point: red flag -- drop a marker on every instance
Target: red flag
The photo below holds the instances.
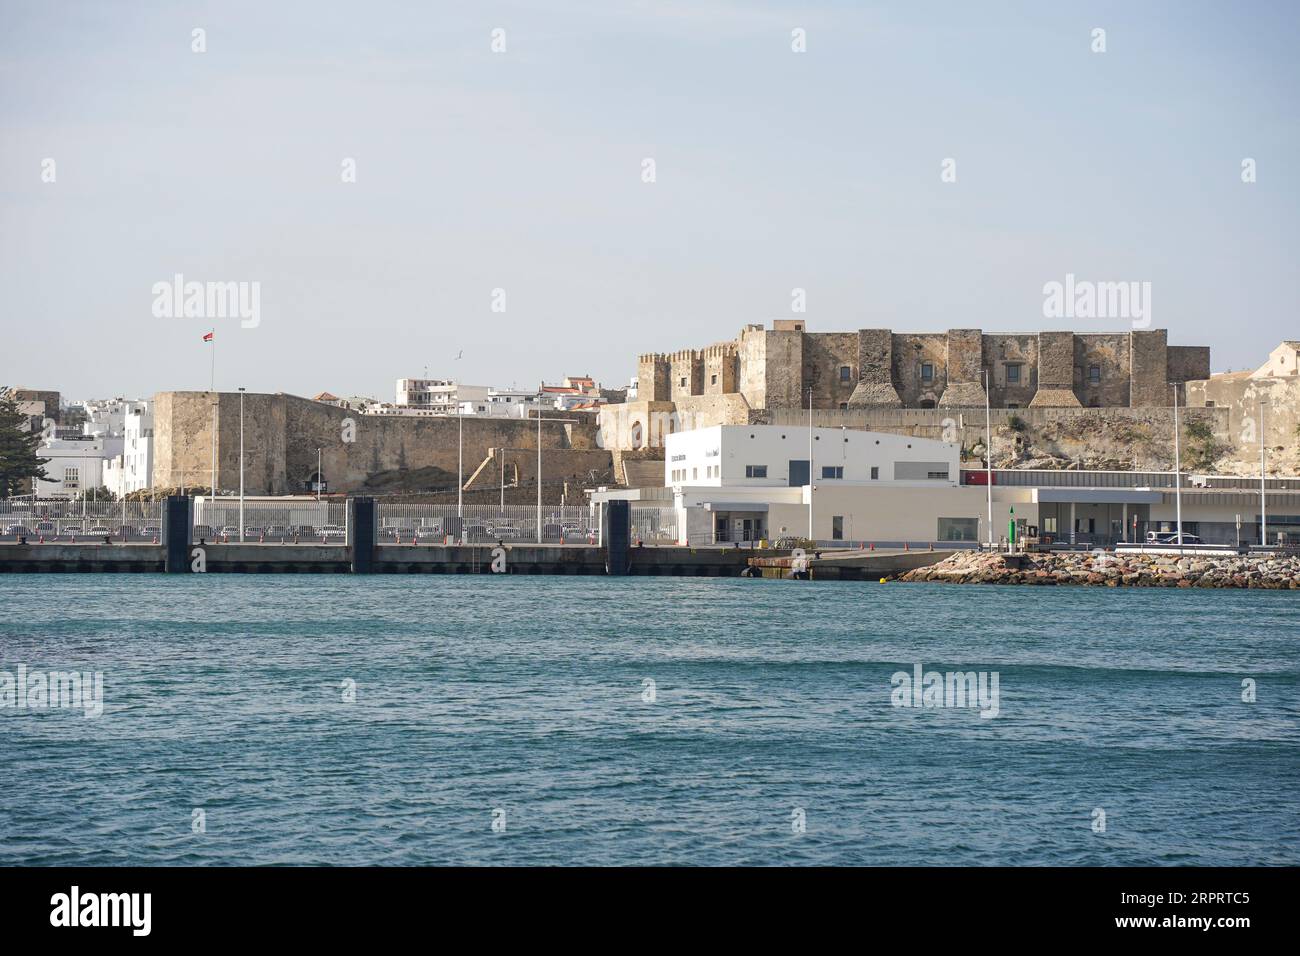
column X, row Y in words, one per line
column 208, row 337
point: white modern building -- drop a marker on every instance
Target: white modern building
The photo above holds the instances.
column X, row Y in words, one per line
column 132, row 470
column 752, row 482
column 749, row 483
column 439, row 396
column 502, row 403
column 75, row 466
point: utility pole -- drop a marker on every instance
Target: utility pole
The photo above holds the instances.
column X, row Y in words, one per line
column 319, row 479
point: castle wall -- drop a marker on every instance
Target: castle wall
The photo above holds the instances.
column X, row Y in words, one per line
column 1110, row 352
column 1004, row 352
column 825, row 354
column 283, row 432
column 912, row 351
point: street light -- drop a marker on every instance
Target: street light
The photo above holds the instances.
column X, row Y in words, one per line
column 539, row 471
column 460, row 466
column 811, row 539
column 1178, row 474
column 241, row 464
column 1263, row 501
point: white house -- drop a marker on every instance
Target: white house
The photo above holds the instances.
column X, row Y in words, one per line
column 132, row 470
column 440, row 396
column 75, row 466
column 501, row 403
column 1283, row 361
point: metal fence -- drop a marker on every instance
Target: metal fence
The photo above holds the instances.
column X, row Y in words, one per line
column 59, row 519
column 1051, row 478
column 654, row 525
column 438, row 524
column 325, row 522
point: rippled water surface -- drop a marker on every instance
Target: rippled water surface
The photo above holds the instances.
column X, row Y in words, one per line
column 521, row 699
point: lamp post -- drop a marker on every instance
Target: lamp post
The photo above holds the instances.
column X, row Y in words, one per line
column 810, row 469
column 319, row 477
column 460, row 465
column 539, row 471
column 1178, row 474
column 988, row 454
column 241, row 464
column 1263, row 460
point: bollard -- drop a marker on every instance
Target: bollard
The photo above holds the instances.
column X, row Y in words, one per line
column 155, row 539
column 873, row 546
column 931, row 545
column 261, row 538
column 42, row 541
column 905, row 547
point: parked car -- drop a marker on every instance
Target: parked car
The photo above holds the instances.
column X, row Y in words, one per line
column 15, row 530
column 231, row 532
column 200, row 531
column 100, row 530
column 333, row 531
column 276, row 531
column 1165, row 537
column 474, row 529
column 503, row 531
column 301, row 531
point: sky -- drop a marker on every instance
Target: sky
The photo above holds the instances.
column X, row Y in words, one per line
column 524, row 170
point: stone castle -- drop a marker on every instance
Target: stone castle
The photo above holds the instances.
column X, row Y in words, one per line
column 878, row 368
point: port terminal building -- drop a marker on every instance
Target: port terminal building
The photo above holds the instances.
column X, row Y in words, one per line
column 744, row 484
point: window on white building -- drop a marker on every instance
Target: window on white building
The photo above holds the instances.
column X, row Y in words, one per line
column 875, row 473
column 71, row 478
column 832, row 471
column 756, row 471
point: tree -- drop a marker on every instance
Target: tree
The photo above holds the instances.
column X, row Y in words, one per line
column 18, row 458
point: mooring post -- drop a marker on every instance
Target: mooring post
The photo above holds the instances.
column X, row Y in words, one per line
column 178, row 527
column 618, row 536
column 361, row 534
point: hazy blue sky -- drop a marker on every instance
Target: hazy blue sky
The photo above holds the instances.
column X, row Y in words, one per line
column 522, row 170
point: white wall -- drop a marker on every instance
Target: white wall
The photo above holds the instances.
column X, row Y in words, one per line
column 721, row 456
column 87, row 457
